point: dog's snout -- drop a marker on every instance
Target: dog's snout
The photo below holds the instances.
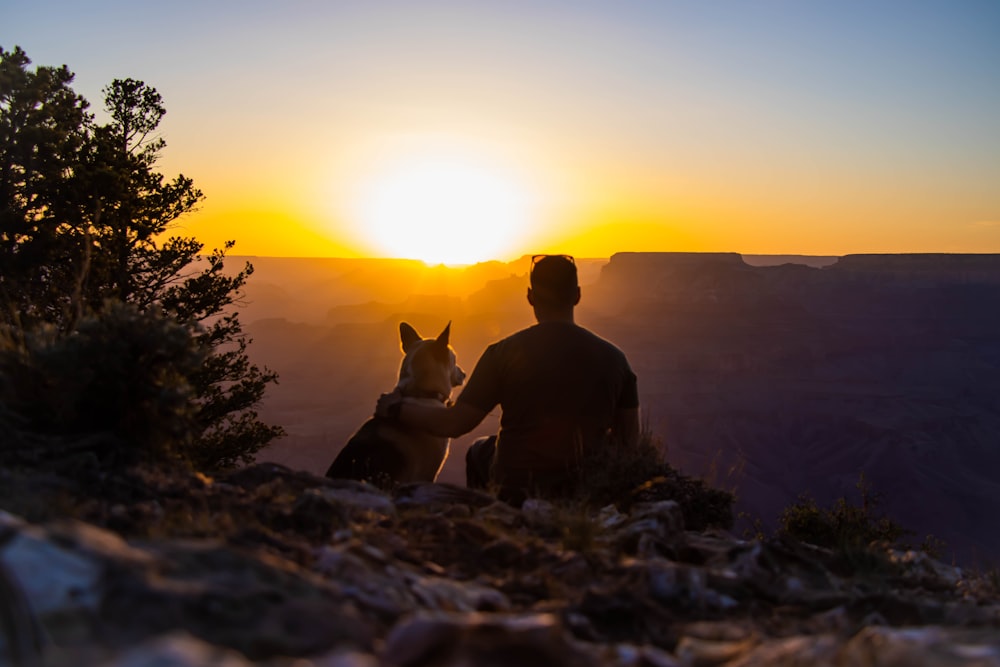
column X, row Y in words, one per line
column 457, row 377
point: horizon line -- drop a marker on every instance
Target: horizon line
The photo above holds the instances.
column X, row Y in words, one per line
column 608, row 257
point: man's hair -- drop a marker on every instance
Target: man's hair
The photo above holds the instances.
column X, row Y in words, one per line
column 553, row 280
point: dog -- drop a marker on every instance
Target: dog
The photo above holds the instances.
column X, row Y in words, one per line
column 384, row 452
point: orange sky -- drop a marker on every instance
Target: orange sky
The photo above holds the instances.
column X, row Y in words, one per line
column 447, row 132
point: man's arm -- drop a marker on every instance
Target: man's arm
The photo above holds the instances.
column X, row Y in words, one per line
column 626, row 426
column 446, row 422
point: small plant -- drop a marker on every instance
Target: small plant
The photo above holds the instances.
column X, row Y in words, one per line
column 933, row 546
column 609, row 474
column 626, row 476
column 843, row 526
column 755, row 530
column 992, row 578
column 579, row 530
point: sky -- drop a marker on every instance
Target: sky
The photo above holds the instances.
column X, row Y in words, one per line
column 465, row 131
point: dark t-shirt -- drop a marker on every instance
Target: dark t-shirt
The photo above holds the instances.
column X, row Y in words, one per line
column 558, row 386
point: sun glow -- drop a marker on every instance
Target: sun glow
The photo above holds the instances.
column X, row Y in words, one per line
column 445, row 208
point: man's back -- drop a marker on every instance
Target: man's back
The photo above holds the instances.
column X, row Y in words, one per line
column 559, row 387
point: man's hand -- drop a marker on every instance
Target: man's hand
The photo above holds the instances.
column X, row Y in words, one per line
column 385, row 401
column 439, row 420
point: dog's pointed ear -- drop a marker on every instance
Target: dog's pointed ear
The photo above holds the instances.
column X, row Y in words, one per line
column 440, row 346
column 408, row 336
column 443, row 337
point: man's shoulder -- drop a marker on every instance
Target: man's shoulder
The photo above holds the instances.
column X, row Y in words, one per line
column 611, row 353
column 520, row 336
column 599, row 341
column 564, row 333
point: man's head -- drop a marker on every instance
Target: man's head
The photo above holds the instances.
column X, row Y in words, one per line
column 554, row 285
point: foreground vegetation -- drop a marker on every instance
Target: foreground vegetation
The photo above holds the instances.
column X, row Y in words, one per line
column 116, row 338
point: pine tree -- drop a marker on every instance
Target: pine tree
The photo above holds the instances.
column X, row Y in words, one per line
column 85, row 223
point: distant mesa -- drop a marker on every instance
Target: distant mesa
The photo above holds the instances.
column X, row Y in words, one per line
column 676, row 259
column 936, row 267
column 815, row 261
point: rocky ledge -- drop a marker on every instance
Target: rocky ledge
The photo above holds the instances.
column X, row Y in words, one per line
column 275, row 567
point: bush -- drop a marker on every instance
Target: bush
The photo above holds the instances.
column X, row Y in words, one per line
column 116, row 387
column 624, row 477
column 842, row 526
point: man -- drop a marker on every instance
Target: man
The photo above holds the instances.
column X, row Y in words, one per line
column 562, row 390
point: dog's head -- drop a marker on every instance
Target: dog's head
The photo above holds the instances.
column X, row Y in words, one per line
column 429, row 367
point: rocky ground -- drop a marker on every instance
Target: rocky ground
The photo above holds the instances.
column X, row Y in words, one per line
column 274, row 567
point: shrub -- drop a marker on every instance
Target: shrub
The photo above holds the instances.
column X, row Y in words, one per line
column 843, row 525
column 624, row 477
column 116, row 386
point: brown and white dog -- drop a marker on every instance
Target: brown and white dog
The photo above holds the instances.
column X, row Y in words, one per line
column 383, row 451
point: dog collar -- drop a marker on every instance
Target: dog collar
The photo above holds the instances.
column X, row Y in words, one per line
column 427, row 393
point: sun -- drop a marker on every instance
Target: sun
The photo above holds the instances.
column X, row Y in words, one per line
column 444, row 208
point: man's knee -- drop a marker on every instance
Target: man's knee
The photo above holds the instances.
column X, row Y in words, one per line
column 479, row 462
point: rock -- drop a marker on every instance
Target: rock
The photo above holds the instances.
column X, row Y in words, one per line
column 628, row 655
column 708, row 652
column 56, row 577
column 651, row 528
column 926, row 570
column 805, row 651
column 919, row 646
column 679, row 586
column 178, row 650
column 316, row 515
column 341, row 575
column 609, row 517
column 359, row 496
column 382, row 592
column 258, row 474
column 484, row 640
column 780, row 571
column 23, row 640
column 440, row 493
column 83, row 582
column 438, row 593
column 343, row 659
column 616, row 614
column 538, row 511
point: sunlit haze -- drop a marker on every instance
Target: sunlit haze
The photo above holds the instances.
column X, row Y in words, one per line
column 455, row 132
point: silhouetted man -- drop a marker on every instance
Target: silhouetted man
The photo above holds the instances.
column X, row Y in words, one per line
column 562, row 390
